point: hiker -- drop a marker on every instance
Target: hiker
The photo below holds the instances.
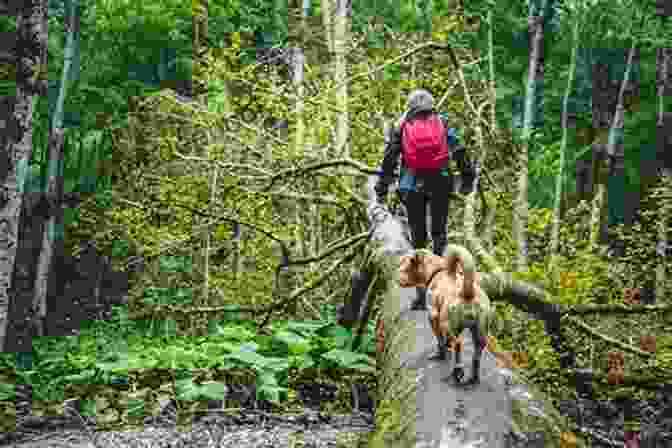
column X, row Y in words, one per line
column 426, row 145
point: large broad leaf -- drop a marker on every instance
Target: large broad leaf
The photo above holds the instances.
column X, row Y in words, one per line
column 341, row 335
column 175, row 264
column 119, row 366
column 186, row 389
column 213, row 390
column 276, row 364
column 351, row 360
column 296, row 344
column 302, row 362
column 248, row 356
column 6, row 391
column 234, row 332
column 269, row 389
column 306, row 328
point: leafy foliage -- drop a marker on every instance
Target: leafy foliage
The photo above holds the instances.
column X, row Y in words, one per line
column 146, row 192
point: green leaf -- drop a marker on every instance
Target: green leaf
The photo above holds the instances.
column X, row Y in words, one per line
column 186, row 389
column 247, row 357
column 505, row 92
column 274, row 394
column 213, row 390
column 351, row 360
column 234, row 332
column 296, row 344
column 136, row 407
column 7, row 391
column 306, row 328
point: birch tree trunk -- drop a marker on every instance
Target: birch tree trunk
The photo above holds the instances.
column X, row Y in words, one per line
column 559, row 181
column 315, row 236
column 489, row 218
column 208, row 233
column 297, row 78
column 614, row 150
column 470, row 200
column 299, row 139
column 200, row 25
column 31, row 51
column 603, row 103
column 664, row 81
column 199, row 42
column 534, row 77
column 53, row 229
column 328, row 8
column 535, row 74
column 491, row 58
column 341, row 38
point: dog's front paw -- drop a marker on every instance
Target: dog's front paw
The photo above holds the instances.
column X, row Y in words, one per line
column 473, row 380
column 458, row 374
column 438, row 356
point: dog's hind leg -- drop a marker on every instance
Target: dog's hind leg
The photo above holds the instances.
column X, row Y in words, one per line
column 440, row 354
column 420, row 302
column 475, row 331
column 458, row 370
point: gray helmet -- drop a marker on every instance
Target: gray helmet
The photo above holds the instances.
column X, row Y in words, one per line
column 420, row 100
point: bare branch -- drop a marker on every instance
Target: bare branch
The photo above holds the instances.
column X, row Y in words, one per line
column 622, row 345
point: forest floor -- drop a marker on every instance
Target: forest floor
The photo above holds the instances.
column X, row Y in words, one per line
column 249, row 429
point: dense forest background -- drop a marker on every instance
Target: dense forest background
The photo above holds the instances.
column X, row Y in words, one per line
column 225, row 145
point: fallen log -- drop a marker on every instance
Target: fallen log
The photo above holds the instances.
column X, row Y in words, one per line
column 408, row 402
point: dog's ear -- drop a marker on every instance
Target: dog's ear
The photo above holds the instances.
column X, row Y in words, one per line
column 408, row 267
column 410, row 260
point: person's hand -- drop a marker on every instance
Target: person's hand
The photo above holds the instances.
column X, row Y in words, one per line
column 381, row 193
column 467, row 183
column 468, row 176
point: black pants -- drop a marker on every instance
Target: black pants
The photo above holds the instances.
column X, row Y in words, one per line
column 435, row 190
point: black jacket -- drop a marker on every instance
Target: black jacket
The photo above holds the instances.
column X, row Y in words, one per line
column 393, row 151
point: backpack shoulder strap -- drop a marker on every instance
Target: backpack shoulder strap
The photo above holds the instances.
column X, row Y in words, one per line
column 401, row 122
column 444, row 119
column 402, row 119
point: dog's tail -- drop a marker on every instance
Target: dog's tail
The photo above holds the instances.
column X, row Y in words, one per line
column 454, row 253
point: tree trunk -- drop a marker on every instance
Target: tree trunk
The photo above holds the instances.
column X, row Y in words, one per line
column 328, row 8
column 664, row 81
column 560, row 178
column 207, row 242
column 55, row 179
column 299, row 141
column 341, row 38
column 534, row 78
column 534, row 82
column 200, row 26
column 491, row 64
column 31, row 45
column 469, row 220
column 614, row 153
column 584, row 136
column 297, row 78
column 605, row 93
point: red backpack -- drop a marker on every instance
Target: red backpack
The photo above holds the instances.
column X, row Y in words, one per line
column 424, row 143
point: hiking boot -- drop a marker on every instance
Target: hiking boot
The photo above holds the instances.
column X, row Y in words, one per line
column 420, row 303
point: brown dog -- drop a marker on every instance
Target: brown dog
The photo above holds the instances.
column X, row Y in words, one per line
column 457, row 301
